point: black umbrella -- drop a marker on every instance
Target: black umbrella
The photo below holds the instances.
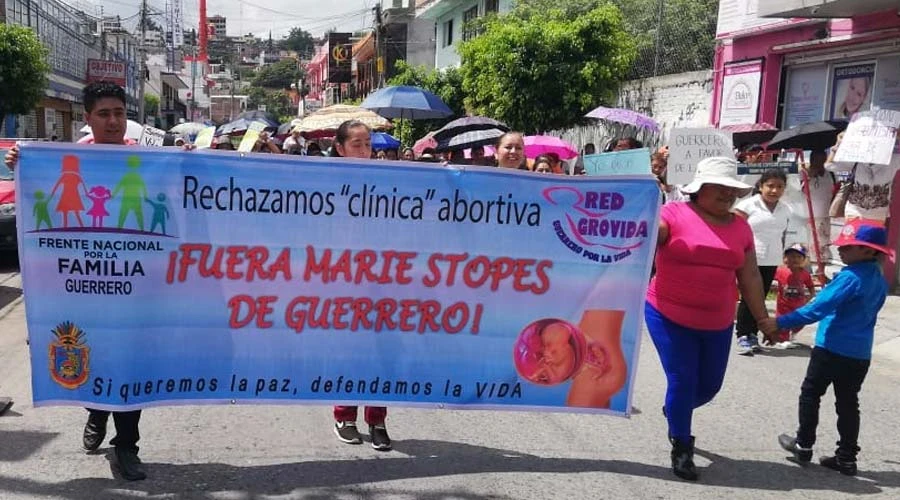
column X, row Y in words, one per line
column 817, row 136
column 468, row 124
column 471, row 139
column 746, row 135
column 241, row 125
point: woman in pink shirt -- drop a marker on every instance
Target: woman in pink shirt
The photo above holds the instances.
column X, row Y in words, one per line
column 703, row 249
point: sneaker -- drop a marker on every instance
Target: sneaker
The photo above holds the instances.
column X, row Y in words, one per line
column 789, row 443
column 380, row 439
column 789, row 344
column 745, row 348
column 845, row 467
column 754, row 343
column 347, row 432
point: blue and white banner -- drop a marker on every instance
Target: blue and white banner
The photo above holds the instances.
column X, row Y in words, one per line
column 158, row 277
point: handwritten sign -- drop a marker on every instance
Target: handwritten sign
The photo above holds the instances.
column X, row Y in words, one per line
column 205, row 138
column 870, row 138
column 628, row 162
column 152, row 136
column 687, row 146
column 788, row 167
column 251, row 136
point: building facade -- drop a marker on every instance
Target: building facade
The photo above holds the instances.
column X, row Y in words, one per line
column 784, row 64
column 73, row 38
column 451, row 23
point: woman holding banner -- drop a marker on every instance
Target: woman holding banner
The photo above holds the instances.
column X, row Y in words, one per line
column 354, row 140
column 702, row 249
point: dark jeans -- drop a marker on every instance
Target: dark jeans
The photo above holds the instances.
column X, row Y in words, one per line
column 127, row 434
column 746, row 325
column 847, row 375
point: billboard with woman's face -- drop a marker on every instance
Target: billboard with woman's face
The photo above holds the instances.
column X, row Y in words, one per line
column 851, row 90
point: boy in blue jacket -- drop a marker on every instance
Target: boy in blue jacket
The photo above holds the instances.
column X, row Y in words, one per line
column 846, row 310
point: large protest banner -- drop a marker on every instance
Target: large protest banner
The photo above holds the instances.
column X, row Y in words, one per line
column 168, row 277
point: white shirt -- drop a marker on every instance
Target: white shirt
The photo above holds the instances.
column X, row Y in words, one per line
column 821, row 191
column 870, row 197
column 768, row 227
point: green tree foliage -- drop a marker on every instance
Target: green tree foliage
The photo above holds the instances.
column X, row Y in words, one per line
column 444, row 83
column 298, row 40
column 686, row 30
column 542, row 70
column 279, row 75
column 23, row 70
column 276, row 102
column 151, row 104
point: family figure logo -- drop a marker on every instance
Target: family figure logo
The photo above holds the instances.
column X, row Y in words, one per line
column 71, row 190
column 590, row 227
column 69, row 356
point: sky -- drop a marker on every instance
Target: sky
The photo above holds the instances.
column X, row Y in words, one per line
column 259, row 16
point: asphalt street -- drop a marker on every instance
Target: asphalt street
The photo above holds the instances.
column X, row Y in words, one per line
column 255, row 452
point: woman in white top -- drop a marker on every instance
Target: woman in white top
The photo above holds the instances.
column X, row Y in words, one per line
column 769, row 218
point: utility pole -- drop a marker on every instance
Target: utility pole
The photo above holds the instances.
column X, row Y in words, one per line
column 379, row 52
column 143, row 64
column 193, row 74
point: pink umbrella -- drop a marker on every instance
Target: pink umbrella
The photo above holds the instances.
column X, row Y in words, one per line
column 537, row 145
column 425, row 142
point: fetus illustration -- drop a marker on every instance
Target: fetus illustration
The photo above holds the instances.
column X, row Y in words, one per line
column 552, row 351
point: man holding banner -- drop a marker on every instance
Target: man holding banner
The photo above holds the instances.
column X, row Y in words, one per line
column 104, row 111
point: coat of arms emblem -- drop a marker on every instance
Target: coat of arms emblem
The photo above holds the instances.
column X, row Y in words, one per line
column 69, row 356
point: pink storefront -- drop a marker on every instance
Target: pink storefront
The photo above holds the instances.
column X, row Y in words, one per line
column 783, row 62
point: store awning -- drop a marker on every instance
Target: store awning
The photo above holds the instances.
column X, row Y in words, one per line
column 172, row 80
column 823, row 8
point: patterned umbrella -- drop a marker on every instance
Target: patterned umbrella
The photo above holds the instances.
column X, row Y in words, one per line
column 425, row 142
column 624, row 116
column 470, row 139
column 325, row 122
column 468, row 124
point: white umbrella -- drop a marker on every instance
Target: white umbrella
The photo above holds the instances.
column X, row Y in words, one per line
column 133, row 131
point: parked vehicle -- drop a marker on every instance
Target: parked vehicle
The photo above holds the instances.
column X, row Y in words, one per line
column 7, row 201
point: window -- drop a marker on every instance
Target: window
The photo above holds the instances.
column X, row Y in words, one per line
column 491, row 6
column 448, row 33
column 469, row 17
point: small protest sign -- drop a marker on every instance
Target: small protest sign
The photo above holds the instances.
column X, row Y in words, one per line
column 687, row 146
column 152, row 136
column 870, row 138
column 251, row 136
column 628, row 162
column 205, row 138
column 788, row 167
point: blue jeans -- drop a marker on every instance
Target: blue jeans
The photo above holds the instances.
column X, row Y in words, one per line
column 694, row 362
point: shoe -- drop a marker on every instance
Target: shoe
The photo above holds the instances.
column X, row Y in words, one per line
column 94, row 431
column 380, row 439
column 745, row 348
column 683, row 459
column 789, row 345
column 347, row 432
column 129, row 465
column 789, row 444
column 845, row 467
column 5, row 404
column 754, row 343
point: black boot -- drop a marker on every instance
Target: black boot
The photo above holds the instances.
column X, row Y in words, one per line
column 843, row 461
column 683, row 459
column 94, row 431
column 129, row 464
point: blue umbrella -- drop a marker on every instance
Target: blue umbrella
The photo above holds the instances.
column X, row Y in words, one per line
column 405, row 102
column 382, row 141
